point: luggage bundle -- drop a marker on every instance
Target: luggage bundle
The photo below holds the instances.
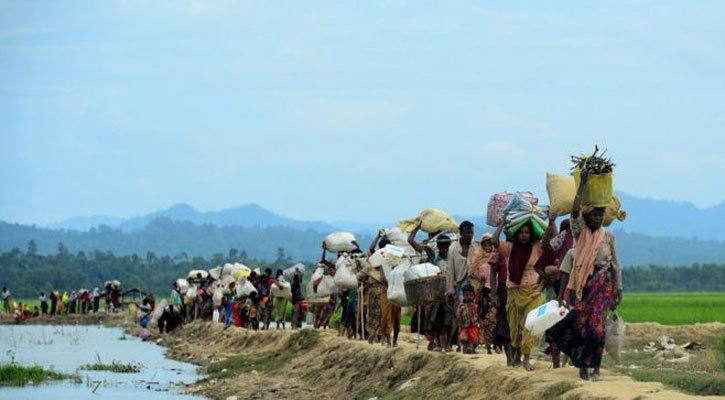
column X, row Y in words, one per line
column 431, row 220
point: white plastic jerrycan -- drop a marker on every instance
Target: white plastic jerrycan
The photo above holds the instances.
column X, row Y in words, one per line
column 545, row 316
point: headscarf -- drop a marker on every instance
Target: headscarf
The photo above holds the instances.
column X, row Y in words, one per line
column 587, row 248
column 480, row 257
column 568, row 241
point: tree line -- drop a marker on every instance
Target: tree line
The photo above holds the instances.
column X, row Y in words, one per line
column 164, row 236
column 28, row 271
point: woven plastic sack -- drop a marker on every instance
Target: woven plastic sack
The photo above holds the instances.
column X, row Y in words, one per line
column 396, row 285
column 599, row 190
column 194, row 272
column 244, row 287
column 396, row 236
column 289, row 273
column 614, row 212
column 614, row 336
column 340, row 242
column 285, row 291
column 327, row 286
column 561, row 190
column 344, row 273
column 499, row 201
column 241, row 271
column 218, row 295
column 431, row 220
column 183, row 285
column 423, row 270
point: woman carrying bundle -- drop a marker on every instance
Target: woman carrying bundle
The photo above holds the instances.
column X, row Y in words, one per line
column 389, row 313
column 556, row 246
column 484, row 278
column 524, row 293
column 594, row 277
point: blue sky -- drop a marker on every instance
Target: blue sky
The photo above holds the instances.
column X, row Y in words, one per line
column 335, row 111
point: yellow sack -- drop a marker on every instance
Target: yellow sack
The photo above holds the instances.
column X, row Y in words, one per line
column 433, row 220
column 614, row 211
column 561, row 190
column 599, row 190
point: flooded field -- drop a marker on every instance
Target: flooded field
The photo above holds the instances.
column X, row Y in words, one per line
column 66, row 348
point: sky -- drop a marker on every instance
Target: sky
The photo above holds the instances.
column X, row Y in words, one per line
column 338, row 111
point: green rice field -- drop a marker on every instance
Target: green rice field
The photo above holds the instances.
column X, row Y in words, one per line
column 673, row 308
column 668, row 308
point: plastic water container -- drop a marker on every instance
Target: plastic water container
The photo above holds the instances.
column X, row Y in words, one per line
column 377, row 258
column 545, row 316
column 394, row 251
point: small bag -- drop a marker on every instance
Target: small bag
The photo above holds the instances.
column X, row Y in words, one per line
column 614, row 336
column 344, row 276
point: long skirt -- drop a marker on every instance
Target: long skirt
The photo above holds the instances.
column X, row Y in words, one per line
column 521, row 300
column 349, row 314
column 280, row 308
column 501, row 333
column 488, row 325
column 376, row 295
column 580, row 335
column 390, row 320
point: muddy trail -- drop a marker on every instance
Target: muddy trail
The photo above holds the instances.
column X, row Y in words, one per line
column 320, row 365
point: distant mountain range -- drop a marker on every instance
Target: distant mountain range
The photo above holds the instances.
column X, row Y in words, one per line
column 645, row 216
column 250, row 215
column 655, row 232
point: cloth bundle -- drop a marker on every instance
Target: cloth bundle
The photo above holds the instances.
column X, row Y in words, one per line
column 520, row 211
column 498, row 202
column 340, row 242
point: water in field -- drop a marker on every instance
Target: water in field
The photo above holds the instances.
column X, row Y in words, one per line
column 65, row 348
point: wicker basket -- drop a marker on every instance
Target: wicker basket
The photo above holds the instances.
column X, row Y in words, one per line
column 428, row 290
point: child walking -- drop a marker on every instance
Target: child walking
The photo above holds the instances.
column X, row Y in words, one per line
column 467, row 316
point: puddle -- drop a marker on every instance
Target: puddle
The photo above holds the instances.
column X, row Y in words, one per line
column 65, row 348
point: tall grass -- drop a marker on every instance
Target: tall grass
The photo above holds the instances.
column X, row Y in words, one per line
column 13, row 374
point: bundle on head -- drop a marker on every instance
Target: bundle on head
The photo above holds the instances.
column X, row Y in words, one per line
column 595, row 164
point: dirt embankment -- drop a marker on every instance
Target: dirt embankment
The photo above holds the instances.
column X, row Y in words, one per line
column 320, row 365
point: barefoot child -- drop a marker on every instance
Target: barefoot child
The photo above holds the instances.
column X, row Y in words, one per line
column 467, row 316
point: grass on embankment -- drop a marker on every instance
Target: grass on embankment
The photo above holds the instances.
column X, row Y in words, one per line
column 18, row 375
column 298, row 342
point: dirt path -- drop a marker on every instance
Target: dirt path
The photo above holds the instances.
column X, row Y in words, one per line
column 320, row 365
column 330, row 367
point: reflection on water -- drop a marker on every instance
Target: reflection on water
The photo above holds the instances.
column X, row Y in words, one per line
column 65, row 348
